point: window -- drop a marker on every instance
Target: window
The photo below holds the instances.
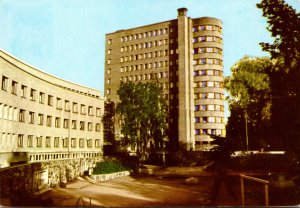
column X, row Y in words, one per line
column 203, row 107
column 211, row 107
column 40, row 119
column 108, row 91
column 39, row 141
column 91, row 111
column 4, row 83
column 50, row 100
column 210, row 61
column 210, row 95
column 56, row 141
column 109, row 51
column 75, row 108
column 67, row 105
column 32, row 94
column 42, row 97
column 81, row 143
column 203, row 84
column 57, row 122
column 65, row 142
column 109, row 41
column 209, row 38
column 210, row 84
column 73, row 142
column 210, row 72
column 204, row 131
column 23, row 91
column 197, row 131
column 49, row 121
column 20, row 140
column 74, row 124
column 108, row 71
column 97, row 143
column 14, row 87
column 81, row 125
column 58, row 103
column 97, row 127
column 90, row 126
column 98, row 112
column 209, row 27
column 197, row 119
column 31, row 117
column 202, row 61
column 211, row 119
column 89, row 143
column 82, row 109
column 108, row 61
column 22, row 115
column 201, row 27
column 202, row 39
column 48, row 141
column 66, row 123
column 29, row 140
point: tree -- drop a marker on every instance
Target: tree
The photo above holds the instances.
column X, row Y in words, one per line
column 284, row 25
column 143, row 112
column 249, row 88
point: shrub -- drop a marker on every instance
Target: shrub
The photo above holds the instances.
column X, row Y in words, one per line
column 108, row 167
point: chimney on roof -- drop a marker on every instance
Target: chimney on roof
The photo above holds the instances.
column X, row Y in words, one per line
column 182, row 11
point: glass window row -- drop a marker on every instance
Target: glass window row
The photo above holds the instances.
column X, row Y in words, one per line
column 144, row 45
column 207, row 28
column 49, row 142
column 207, row 50
column 209, row 131
column 149, row 55
column 140, row 77
column 151, row 65
column 209, row 107
column 145, row 35
column 42, row 98
column 208, row 72
column 209, row 95
column 209, row 119
column 203, row 61
column 216, row 84
column 207, row 39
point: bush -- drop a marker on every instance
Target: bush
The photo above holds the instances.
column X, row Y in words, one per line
column 108, row 167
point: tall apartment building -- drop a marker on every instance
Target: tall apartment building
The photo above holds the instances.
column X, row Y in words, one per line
column 185, row 56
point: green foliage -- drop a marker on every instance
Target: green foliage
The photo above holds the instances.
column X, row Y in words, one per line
column 249, row 88
column 284, row 25
column 108, row 167
column 143, row 112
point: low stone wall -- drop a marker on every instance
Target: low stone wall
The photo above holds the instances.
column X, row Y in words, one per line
column 32, row 178
column 106, row 177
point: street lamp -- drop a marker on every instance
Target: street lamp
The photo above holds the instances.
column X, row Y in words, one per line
column 246, row 124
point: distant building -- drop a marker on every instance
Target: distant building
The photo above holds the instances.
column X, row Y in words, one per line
column 44, row 118
column 185, row 56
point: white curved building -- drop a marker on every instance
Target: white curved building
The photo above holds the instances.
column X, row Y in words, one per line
column 45, row 118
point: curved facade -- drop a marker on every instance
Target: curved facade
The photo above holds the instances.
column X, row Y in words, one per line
column 44, row 118
column 208, row 79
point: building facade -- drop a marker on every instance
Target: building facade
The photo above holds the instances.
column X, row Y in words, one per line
column 185, row 56
column 44, row 118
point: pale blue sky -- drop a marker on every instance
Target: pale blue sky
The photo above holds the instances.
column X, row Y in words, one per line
column 66, row 38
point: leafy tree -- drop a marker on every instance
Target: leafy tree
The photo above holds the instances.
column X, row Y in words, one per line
column 143, row 112
column 284, row 25
column 249, row 88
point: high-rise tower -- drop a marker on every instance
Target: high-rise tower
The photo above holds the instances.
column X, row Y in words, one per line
column 185, row 56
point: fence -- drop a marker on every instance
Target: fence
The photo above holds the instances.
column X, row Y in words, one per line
column 258, row 180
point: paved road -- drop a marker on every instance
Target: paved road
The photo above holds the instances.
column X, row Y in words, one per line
column 138, row 191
